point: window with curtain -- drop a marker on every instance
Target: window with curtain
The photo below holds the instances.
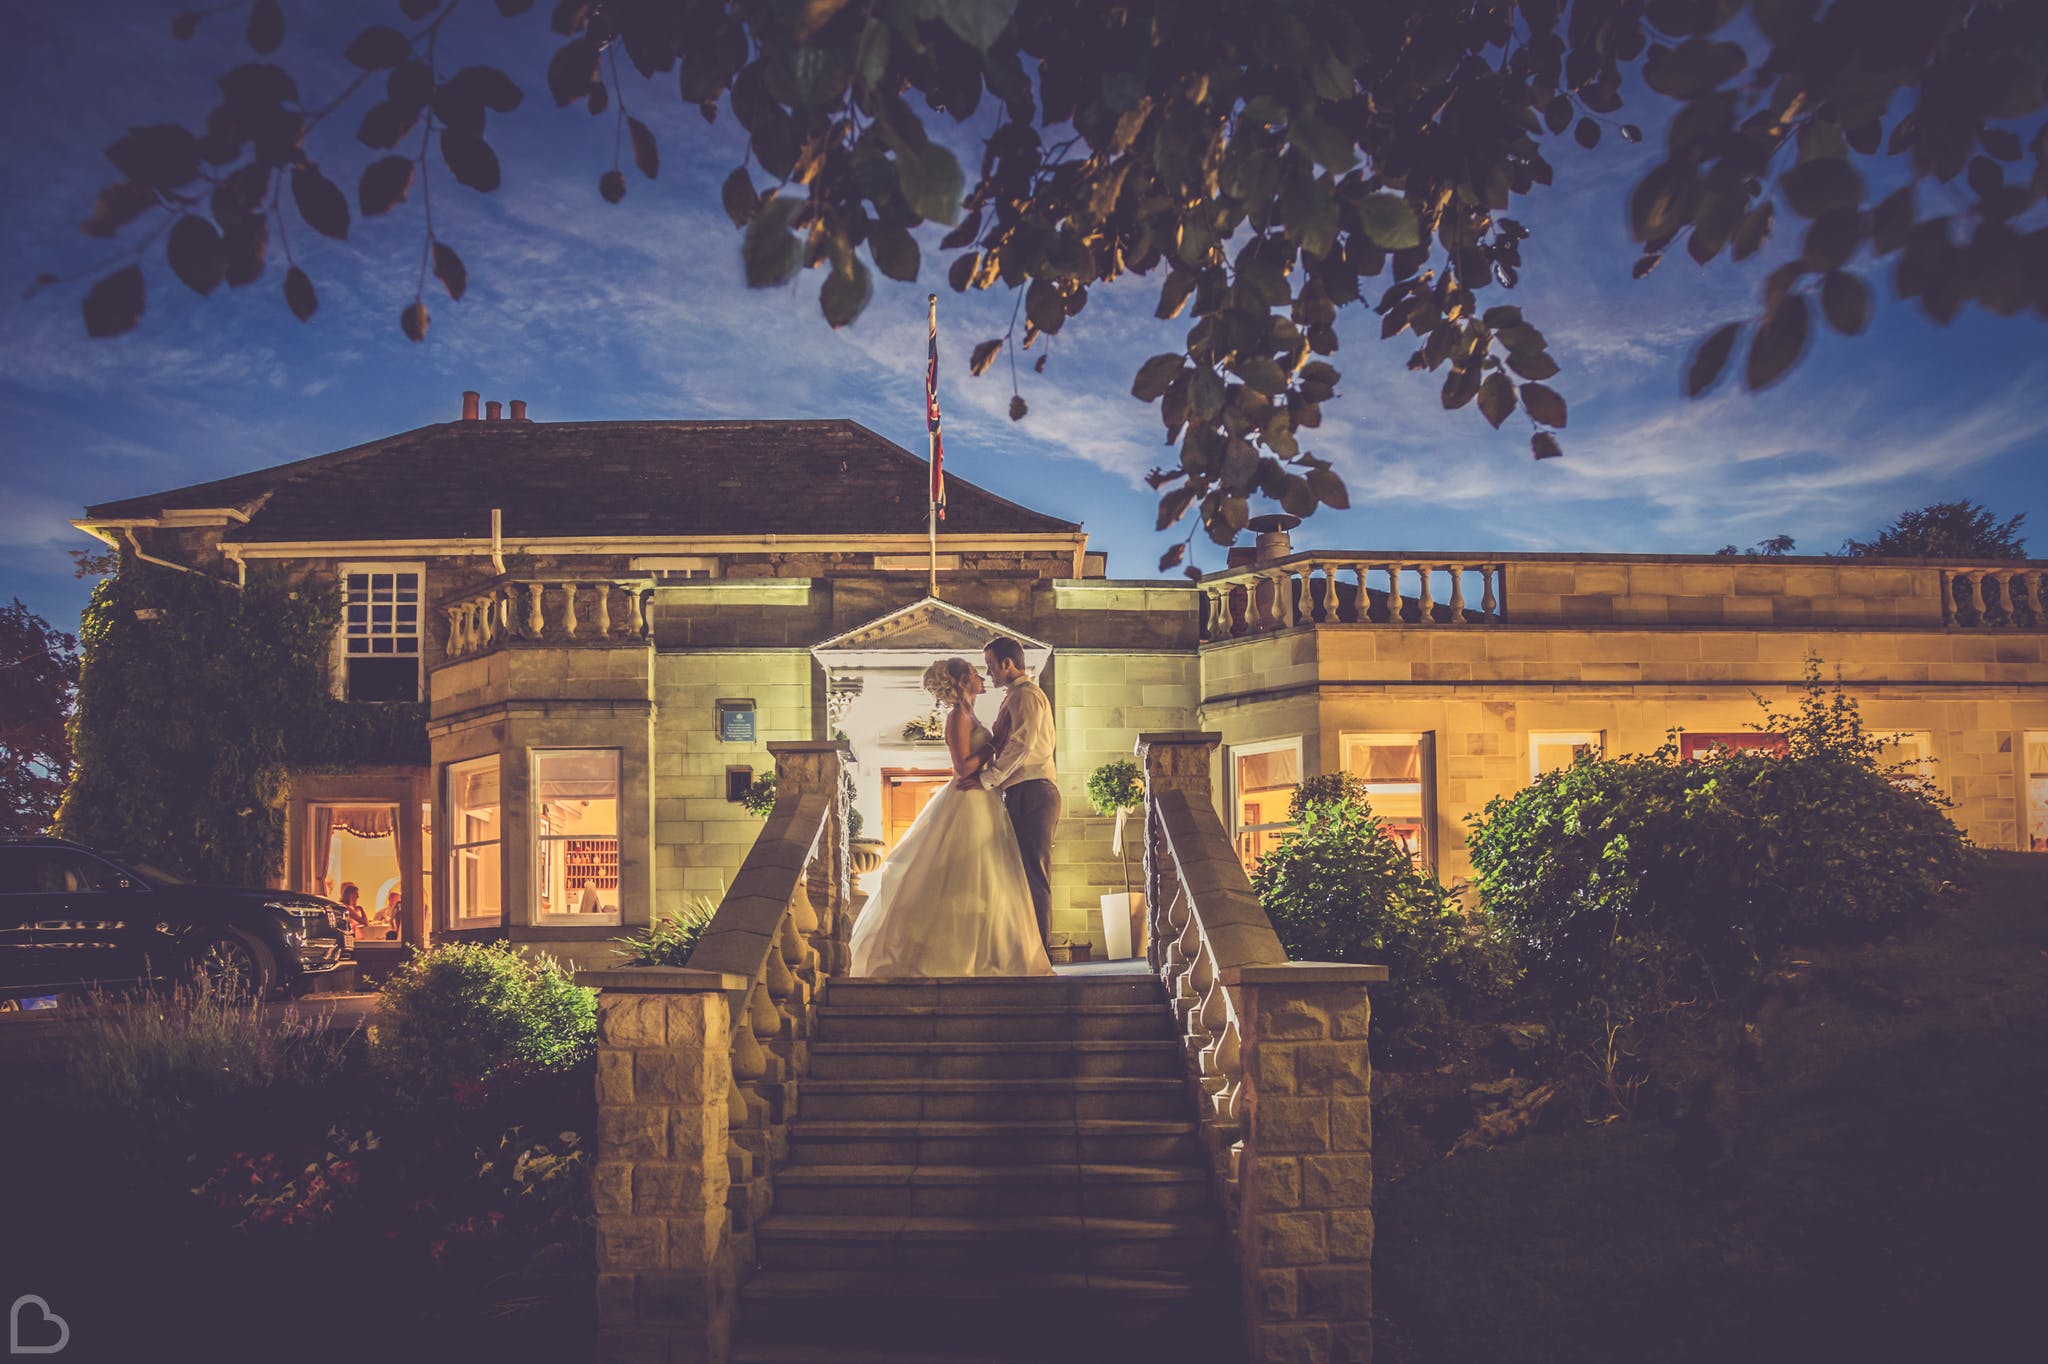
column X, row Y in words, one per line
column 576, row 834
column 1400, row 784
column 476, row 832
column 1263, row 780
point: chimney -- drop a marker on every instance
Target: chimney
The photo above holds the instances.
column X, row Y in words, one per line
column 519, row 409
column 493, row 410
column 469, row 402
column 1273, row 542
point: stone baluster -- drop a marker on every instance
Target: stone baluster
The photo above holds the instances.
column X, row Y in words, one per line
column 1991, row 586
column 1361, row 602
column 1458, row 594
column 1173, row 760
column 604, row 609
column 569, row 609
column 1395, row 614
column 1288, row 614
column 1427, row 615
column 636, row 622
column 1488, row 603
column 454, row 645
column 536, row 622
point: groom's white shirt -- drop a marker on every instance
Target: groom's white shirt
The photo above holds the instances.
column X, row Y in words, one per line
column 1027, row 756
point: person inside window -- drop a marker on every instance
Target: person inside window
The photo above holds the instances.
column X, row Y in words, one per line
column 352, row 901
column 388, row 920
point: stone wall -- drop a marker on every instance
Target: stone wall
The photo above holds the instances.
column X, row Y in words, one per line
column 1652, row 590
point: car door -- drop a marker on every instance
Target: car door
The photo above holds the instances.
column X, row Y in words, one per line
column 96, row 933
column 22, row 902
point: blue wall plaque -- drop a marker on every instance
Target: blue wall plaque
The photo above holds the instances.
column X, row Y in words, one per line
column 736, row 722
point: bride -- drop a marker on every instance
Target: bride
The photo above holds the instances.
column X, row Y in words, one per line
column 952, row 900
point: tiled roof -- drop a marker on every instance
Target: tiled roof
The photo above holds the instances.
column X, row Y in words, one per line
column 558, row 479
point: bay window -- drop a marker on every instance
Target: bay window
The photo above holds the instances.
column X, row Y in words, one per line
column 476, row 832
column 576, row 835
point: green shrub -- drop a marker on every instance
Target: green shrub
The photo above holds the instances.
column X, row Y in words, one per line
column 163, row 1056
column 669, row 941
column 1340, row 888
column 1118, row 785
column 463, row 1014
column 1722, row 862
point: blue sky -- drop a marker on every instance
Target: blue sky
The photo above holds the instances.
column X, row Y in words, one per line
column 592, row 311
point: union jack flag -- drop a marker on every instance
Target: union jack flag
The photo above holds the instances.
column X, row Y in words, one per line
column 931, row 413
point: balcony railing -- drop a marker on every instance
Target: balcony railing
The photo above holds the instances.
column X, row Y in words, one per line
column 1351, row 590
column 557, row 611
column 1994, row 598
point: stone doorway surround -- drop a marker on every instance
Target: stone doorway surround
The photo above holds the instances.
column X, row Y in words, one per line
column 874, row 688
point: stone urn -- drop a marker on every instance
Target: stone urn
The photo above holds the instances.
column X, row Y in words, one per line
column 864, row 854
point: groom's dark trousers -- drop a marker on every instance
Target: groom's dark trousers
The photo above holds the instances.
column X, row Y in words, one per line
column 1034, row 808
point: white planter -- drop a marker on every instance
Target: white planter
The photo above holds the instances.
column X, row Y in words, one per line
column 1123, row 924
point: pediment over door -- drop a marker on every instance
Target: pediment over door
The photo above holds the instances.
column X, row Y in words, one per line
column 928, row 629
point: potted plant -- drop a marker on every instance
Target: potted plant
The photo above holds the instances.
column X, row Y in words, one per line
column 1117, row 788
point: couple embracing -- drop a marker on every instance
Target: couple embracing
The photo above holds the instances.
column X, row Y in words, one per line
column 968, row 891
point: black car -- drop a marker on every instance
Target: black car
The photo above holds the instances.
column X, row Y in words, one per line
column 72, row 917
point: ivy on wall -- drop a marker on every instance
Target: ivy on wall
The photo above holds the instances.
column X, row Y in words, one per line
column 195, row 701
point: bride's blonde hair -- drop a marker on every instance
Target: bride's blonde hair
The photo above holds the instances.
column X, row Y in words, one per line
column 946, row 680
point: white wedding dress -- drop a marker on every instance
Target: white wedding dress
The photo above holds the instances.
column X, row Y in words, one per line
column 951, row 900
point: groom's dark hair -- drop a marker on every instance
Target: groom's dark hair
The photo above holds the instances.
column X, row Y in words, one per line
column 1002, row 646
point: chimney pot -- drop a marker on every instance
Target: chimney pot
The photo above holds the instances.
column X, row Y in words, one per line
column 519, row 409
column 493, row 410
column 470, row 398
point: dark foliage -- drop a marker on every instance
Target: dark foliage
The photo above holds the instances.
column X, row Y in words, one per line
column 1945, row 530
column 38, row 679
column 464, row 1014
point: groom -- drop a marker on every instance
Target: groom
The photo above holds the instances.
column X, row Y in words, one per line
column 1020, row 767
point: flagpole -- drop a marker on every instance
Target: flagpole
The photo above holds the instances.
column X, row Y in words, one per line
column 931, row 452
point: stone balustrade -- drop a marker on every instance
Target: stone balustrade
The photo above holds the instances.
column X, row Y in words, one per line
column 697, row 1077
column 1276, row 1054
column 554, row 611
column 1994, row 597
column 1332, row 589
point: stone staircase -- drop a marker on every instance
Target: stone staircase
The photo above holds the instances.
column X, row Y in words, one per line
column 992, row 1170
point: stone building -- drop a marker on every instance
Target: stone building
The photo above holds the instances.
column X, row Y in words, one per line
column 610, row 621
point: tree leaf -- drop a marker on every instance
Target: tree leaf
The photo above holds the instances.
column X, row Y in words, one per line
column 266, row 26
column 1017, row 407
column 1780, row 339
column 196, row 255
column 984, row 356
column 1544, row 404
column 1645, row 265
column 471, row 160
column 931, row 182
column 1710, row 359
column 160, row 156
column 386, row 181
column 114, row 305
column 1820, row 186
column 895, row 252
column 1173, row 506
column 645, row 154
column 1328, row 488
column 1755, row 230
column 1543, row 445
column 572, row 71
column 1845, row 302
column 978, row 22
column 1174, row 553
column 1389, row 222
column 118, row 205
column 845, row 292
column 321, row 203
column 1535, row 364
column 413, row 321
column 739, row 198
column 1496, row 398
column 1154, row 376
column 612, row 185
column 770, row 252
column 299, row 295
column 1587, row 134
column 449, row 269
column 377, row 47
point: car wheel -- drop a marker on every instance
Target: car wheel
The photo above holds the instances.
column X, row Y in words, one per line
column 234, row 965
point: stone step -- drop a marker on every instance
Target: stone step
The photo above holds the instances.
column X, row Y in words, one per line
column 993, row 1060
column 992, row 1100
column 992, row 1191
column 1037, row 992
column 782, row 1353
column 1068, row 1318
column 865, row 1022
column 1087, row 1141
column 988, row 1246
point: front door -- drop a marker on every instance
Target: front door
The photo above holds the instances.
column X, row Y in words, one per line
column 905, row 793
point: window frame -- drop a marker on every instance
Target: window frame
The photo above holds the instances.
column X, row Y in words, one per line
column 2029, row 738
column 1685, row 736
column 1258, row 748
column 1551, row 737
column 455, row 919
column 342, row 654
column 1922, row 771
column 536, row 839
column 1424, row 855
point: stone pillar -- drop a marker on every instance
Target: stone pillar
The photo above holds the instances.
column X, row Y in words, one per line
column 1173, row 760
column 817, row 765
column 665, row 1286
column 1305, row 1230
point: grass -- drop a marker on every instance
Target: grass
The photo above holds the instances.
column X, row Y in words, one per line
column 1884, row 1198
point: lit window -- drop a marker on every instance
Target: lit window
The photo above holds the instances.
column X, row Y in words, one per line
column 1396, row 771
column 1553, row 752
column 2037, row 790
column 1692, row 746
column 380, row 633
column 476, row 831
column 576, row 834
column 1913, row 746
column 1263, row 779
